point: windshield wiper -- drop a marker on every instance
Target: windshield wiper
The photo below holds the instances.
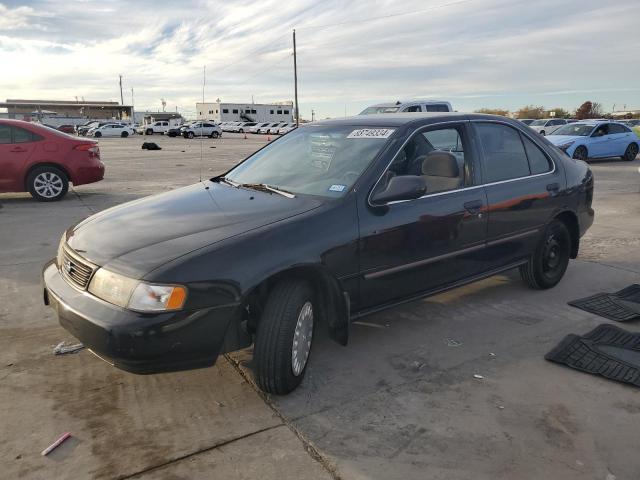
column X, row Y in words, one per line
column 269, row 188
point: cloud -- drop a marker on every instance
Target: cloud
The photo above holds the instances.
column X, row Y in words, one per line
column 475, row 52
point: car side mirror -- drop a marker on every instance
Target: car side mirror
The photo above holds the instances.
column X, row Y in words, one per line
column 403, row 187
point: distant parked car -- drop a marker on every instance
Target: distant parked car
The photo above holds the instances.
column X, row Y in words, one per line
column 547, row 126
column 159, row 127
column 527, row 121
column 244, row 127
column 42, row 161
column 582, row 140
column 258, row 126
column 84, row 129
column 174, row 131
column 67, row 129
column 271, row 128
column 228, row 126
column 111, row 130
column 202, row 129
column 631, row 123
column 286, row 128
column 409, row 106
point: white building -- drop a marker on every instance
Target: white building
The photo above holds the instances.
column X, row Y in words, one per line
column 248, row 112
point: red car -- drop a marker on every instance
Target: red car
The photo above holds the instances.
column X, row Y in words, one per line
column 67, row 128
column 43, row 161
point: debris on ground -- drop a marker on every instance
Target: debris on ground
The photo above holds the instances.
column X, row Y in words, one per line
column 491, row 354
column 150, row 146
column 478, row 377
column 367, row 324
column 418, row 365
column 452, row 343
column 62, row 349
column 56, row 444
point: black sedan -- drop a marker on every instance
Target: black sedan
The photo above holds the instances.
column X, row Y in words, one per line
column 335, row 220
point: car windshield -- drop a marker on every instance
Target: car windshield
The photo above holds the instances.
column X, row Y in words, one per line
column 575, row 129
column 372, row 110
column 314, row 160
column 537, row 123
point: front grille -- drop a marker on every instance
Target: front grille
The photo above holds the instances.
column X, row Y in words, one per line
column 75, row 270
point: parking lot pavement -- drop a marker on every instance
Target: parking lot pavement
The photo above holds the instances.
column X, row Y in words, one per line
column 400, row 401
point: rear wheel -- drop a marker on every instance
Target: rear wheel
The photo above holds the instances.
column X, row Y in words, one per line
column 580, row 153
column 547, row 265
column 97, row 135
column 47, row 184
column 284, row 336
column 631, row 152
column 124, row 134
column 215, row 134
column 149, row 131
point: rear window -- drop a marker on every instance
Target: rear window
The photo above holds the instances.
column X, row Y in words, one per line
column 538, row 161
column 438, row 107
column 5, row 134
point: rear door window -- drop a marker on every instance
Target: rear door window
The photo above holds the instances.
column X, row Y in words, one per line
column 504, row 154
column 413, row 108
column 5, row 134
column 20, row 135
column 439, row 107
column 616, row 128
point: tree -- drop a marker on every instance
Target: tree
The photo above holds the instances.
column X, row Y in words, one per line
column 531, row 111
column 493, row 111
column 589, row 110
column 561, row 113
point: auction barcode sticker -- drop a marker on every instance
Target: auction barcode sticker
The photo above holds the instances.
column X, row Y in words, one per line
column 371, row 133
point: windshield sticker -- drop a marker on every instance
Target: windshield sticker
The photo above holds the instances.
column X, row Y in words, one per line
column 337, row 188
column 371, row 133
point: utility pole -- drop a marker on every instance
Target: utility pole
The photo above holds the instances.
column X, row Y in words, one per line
column 295, row 77
column 313, row 115
column 121, row 97
column 133, row 117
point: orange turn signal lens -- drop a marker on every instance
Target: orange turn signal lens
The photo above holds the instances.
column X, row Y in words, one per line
column 177, row 298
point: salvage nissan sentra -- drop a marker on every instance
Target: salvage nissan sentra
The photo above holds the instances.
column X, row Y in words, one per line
column 331, row 222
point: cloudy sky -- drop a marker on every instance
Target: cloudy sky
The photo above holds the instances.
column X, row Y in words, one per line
column 474, row 53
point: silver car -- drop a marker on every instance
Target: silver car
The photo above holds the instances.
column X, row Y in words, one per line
column 546, row 126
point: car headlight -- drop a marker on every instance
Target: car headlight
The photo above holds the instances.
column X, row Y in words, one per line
column 59, row 255
column 564, row 146
column 136, row 295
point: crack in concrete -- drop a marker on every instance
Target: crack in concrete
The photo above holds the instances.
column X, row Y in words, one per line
column 192, row 454
column 308, row 446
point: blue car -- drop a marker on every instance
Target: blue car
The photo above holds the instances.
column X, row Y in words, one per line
column 596, row 139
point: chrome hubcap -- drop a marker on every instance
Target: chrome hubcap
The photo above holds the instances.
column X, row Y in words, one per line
column 48, row 185
column 302, row 339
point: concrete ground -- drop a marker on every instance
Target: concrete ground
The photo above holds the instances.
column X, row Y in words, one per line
column 400, row 401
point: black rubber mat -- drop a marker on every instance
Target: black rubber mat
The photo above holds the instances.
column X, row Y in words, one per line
column 606, row 350
column 622, row 306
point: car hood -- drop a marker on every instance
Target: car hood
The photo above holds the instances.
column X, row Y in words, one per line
column 139, row 236
column 562, row 139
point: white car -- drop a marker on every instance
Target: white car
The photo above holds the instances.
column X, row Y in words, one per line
column 547, row 126
column 201, row 129
column 257, row 127
column 228, row 126
column 402, row 106
column 271, row 128
column 286, row 129
column 111, row 130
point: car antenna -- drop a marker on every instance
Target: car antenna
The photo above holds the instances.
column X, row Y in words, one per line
column 204, row 81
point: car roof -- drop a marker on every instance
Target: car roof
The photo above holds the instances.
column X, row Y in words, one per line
column 403, row 102
column 400, row 119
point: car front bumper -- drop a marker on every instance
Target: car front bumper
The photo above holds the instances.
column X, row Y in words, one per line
column 138, row 342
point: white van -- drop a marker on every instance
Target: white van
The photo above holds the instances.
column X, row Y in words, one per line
column 409, row 106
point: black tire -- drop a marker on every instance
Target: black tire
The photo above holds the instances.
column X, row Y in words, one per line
column 97, row 135
column 274, row 341
column 542, row 133
column 37, row 181
column 548, row 264
column 124, row 134
column 149, row 131
column 215, row 135
column 631, row 152
column 581, row 153
column 190, row 134
column 241, row 131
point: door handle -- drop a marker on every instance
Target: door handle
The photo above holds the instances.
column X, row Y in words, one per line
column 553, row 187
column 18, row 150
column 473, row 206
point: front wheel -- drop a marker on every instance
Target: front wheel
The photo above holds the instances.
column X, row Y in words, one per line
column 215, row 135
column 47, row 184
column 97, row 135
column 547, row 265
column 580, row 153
column 631, row 152
column 124, row 134
column 190, row 134
column 284, row 336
